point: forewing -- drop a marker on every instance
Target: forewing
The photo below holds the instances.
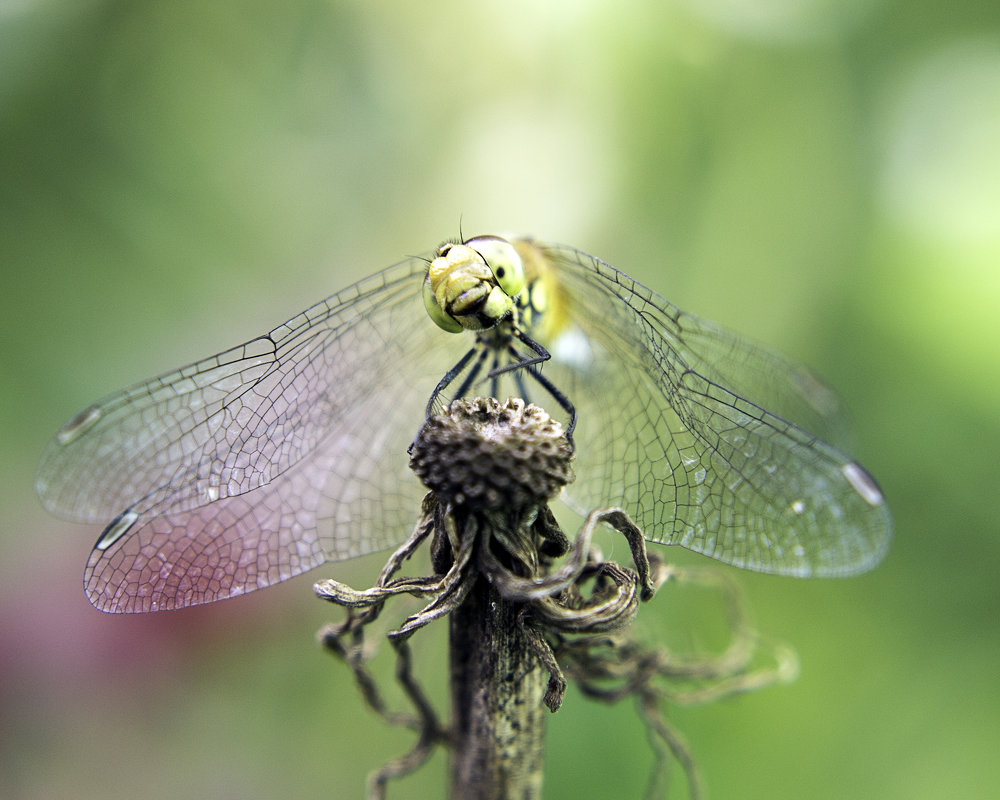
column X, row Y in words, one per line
column 231, row 423
column 673, row 426
column 786, row 389
column 262, row 462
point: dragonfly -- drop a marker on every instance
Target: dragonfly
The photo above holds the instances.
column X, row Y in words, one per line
column 289, row 451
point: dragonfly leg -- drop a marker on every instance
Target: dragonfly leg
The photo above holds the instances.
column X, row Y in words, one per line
column 560, row 398
column 541, row 355
column 521, row 388
column 529, row 364
column 463, row 390
column 454, row 372
column 494, row 376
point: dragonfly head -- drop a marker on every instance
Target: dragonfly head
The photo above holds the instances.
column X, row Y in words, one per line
column 472, row 286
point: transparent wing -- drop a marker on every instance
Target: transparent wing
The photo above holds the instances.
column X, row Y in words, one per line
column 268, row 459
column 711, row 442
column 258, row 463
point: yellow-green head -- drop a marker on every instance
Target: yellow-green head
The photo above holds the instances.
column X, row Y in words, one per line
column 473, row 285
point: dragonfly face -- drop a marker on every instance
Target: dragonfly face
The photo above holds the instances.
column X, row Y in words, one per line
column 483, row 285
column 273, row 457
column 473, row 285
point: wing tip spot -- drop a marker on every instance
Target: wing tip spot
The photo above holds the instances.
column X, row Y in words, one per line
column 863, row 483
column 79, row 425
column 121, row 525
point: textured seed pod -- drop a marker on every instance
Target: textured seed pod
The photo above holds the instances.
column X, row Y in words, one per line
column 481, row 453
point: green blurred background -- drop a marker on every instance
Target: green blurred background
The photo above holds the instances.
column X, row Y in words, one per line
column 177, row 177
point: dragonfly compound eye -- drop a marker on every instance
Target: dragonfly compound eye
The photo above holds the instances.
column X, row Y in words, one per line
column 441, row 317
column 503, row 260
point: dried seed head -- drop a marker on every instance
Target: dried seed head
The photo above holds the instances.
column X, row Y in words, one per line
column 490, row 455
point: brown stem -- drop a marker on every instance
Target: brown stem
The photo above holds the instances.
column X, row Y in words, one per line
column 497, row 688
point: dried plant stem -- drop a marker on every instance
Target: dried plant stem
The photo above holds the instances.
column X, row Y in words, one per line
column 498, row 718
column 529, row 609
